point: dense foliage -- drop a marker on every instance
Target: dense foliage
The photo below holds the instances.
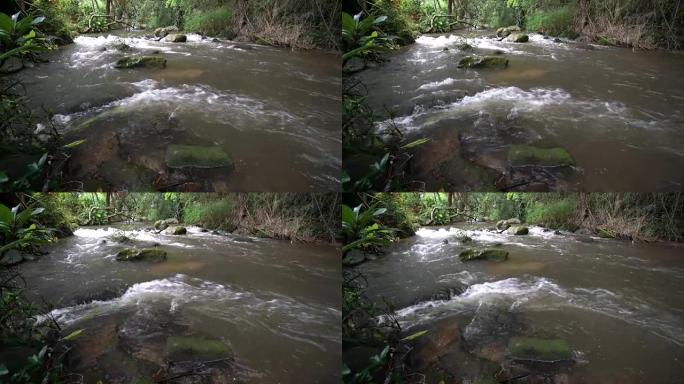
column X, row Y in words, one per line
column 642, row 24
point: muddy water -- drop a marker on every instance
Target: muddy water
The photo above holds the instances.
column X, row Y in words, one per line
column 276, row 305
column 273, row 111
column 619, row 113
column 619, row 306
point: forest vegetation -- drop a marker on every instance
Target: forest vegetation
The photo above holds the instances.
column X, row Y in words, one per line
column 372, row 222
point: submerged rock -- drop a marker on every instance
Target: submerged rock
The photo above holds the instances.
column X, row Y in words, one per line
column 521, row 230
column 196, row 156
column 180, row 231
column 353, row 257
column 518, row 38
column 465, row 47
column 196, row 347
column 121, row 46
column 178, row 38
column 353, row 65
column 10, row 258
column 464, row 239
column 483, row 62
column 486, row 254
column 140, row 62
column 521, row 155
column 537, row 349
column 121, row 239
column 11, row 65
column 145, row 254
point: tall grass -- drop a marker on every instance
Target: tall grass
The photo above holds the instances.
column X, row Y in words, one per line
column 554, row 21
column 552, row 214
column 213, row 22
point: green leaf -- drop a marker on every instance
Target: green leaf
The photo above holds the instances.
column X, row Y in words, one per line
column 380, row 19
column 348, row 216
column 74, row 143
column 345, row 369
column 414, row 336
column 3, row 368
column 6, row 23
column 415, row 143
column 38, row 20
column 73, row 335
column 37, row 211
column 348, row 24
column 3, row 177
column 5, row 214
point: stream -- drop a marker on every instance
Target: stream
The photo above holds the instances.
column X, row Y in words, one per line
column 617, row 305
column 618, row 113
column 275, row 305
column 274, row 112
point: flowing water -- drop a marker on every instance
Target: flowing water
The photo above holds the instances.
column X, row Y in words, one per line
column 276, row 305
column 618, row 113
column 273, row 111
column 618, row 305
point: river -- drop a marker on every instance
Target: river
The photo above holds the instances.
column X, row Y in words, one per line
column 275, row 305
column 618, row 113
column 617, row 305
column 273, row 111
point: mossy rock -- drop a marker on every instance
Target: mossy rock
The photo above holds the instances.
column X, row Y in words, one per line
column 140, row 62
column 121, row 46
column 197, row 347
column 196, row 156
column 532, row 348
column 483, row 62
column 520, row 155
column 160, row 225
column 465, row 47
column 518, row 37
column 353, row 257
column 177, row 38
column 486, row 254
column 521, row 230
column 121, row 239
column 10, row 258
column 180, row 231
column 464, row 239
column 145, row 254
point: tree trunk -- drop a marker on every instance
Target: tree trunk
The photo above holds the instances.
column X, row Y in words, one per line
column 108, row 8
column 450, row 7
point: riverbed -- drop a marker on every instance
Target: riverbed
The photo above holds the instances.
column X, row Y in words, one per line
column 618, row 113
column 273, row 112
column 274, row 305
column 617, row 305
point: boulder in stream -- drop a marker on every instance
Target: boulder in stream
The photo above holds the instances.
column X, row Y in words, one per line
column 163, row 31
column 196, row 156
column 524, row 155
column 11, row 65
column 10, row 258
column 483, row 254
column 140, row 62
column 538, row 349
column 518, row 230
column 505, row 224
column 474, row 61
column 177, row 38
column 353, row 257
column 145, row 254
column 180, row 231
column 518, row 38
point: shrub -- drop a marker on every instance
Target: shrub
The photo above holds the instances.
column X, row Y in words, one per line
column 553, row 214
column 216, row 21
column 555, row 21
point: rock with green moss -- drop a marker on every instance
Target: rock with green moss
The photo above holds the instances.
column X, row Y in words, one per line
column 505, row 31
column 197, row 347
column 520, row 230
column 537, row 349
column 465, row 47
column 121, row 46
column 196, row 156
column 140, row 62
column 10, row 258
column 464, row 239
column 180, row 231
column 121, row 238
column 483, row 254
column 474, row 61
column 145, row 254
column 177, row 38
column 163, row 31
column 353, row 257
column 518, row 38
column 521, row 155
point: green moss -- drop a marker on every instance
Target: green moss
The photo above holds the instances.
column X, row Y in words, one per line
column 531, row 348
column 145, row 254
column 140, row 61
column 465, row 47
column 519, row 37
column 180, row 156
column 180, row 231
column 483, row 62
column 486, row 254
column 121, row 239
column 197, row 347
column 520, row 155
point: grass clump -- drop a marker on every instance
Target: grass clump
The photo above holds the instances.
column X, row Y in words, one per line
column 552, row 214
column 553, row 21
column 213, row 22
